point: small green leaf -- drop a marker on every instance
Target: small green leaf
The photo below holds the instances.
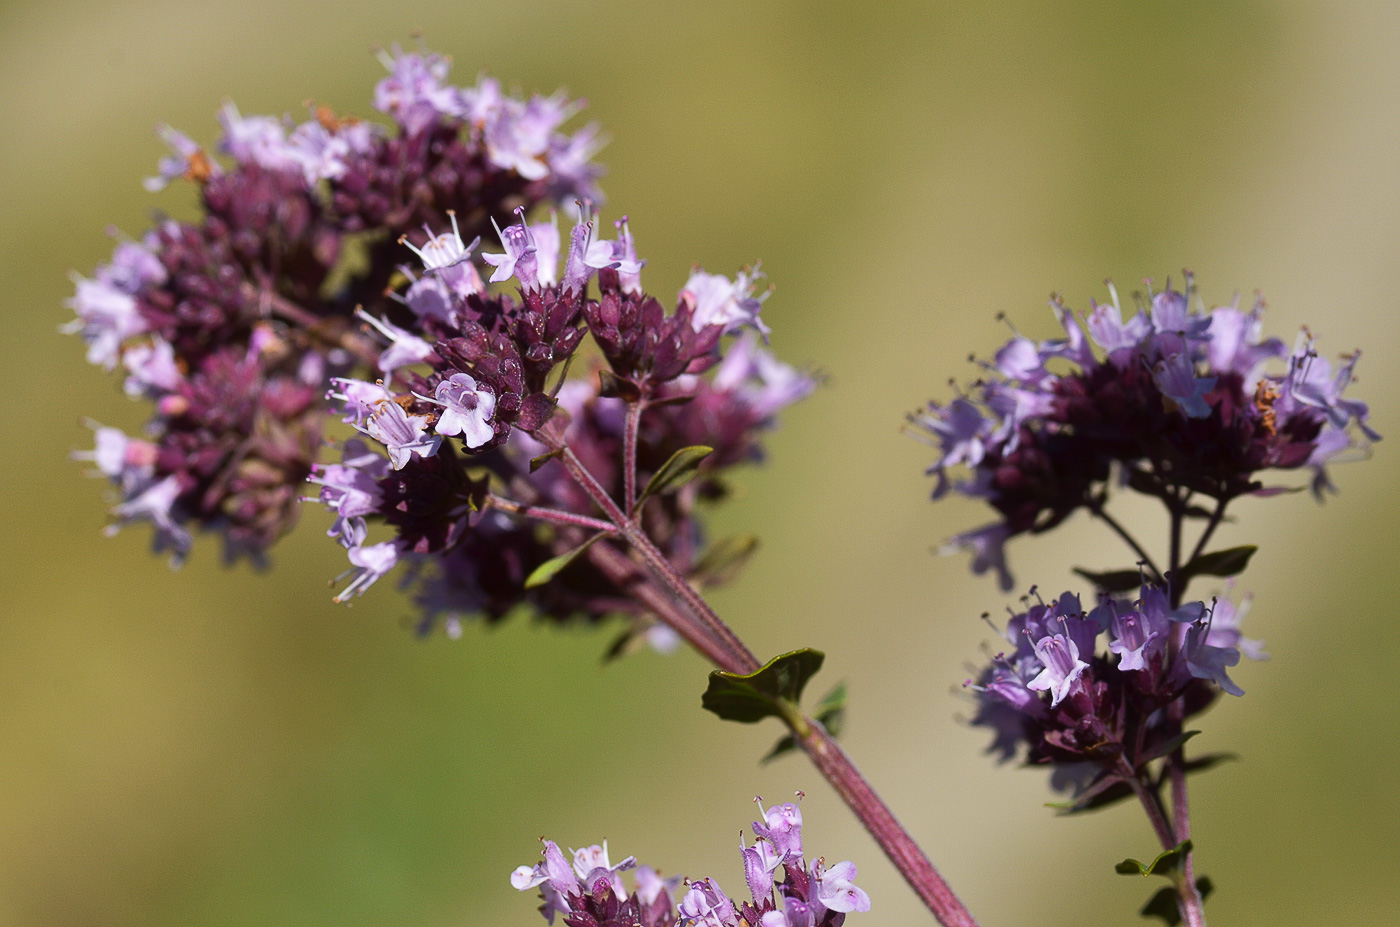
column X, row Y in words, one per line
column 551, row 567
column 540, row 461
column 1167, row 746
column 1163, row 903
column 675, row 472
column 725, row 558
column 1219, row 563
column 831, row 713
column 1113, row 580
column 772, row 691
column 1166, row 864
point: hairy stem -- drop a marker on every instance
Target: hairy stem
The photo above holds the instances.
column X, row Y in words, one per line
column 684, row 609
column 629, row 456
column 744, row 660
column 1191, row 903
column 631, row 578
column 551, row 515
column 1152, row 804
column 833, row 763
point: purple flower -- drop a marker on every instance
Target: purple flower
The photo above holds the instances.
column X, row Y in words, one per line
column 368, row 564
column 782, row 827
column 519, row 135
column 414, row 93
column 402, row 435
column 1108, row 330
column 444, row 251
column 759, row 862
column 1060, row 657
column 351, row 487
column 1206, row 661
column 405, row 348
column 837, row 890
column 466, row 410
column 706, row 905
column 1132, row 633
column 724, row 302
column 988, row 546
column 519, row 259
column 107, row 316
column 759, row 380
column 155, row 503
column 1176, row 378
column 1225, row 621
column 188, row 159
column 260, row 140
column 360, row 398
column 961, row 432
column 152, row 368
column 127, row 462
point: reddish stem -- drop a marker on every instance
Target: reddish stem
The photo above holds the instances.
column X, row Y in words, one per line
column 552, row 515
column 911, row 861
column 703, row 628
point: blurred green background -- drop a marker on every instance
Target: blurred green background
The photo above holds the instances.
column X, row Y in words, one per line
column 222, row 747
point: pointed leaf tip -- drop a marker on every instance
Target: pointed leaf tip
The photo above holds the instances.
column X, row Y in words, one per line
column 770, row 691
column 675, row 472
column 551, row 567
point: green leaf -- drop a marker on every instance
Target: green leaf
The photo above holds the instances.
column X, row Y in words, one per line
column 1167, row 746
column 1166, row 864
column 772, row 691
column 1113, row 580
column 551, row 567
column 1219, row 563
column 725, row 558
column 675, row 472
column 540, row 461
column 831, row 712
column 1163, row 903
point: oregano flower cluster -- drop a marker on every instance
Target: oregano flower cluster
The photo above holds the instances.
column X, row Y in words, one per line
column 1175, row 399
column 231, row 326
column 785, row 890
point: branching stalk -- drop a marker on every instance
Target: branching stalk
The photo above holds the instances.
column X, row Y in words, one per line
column 684, row 609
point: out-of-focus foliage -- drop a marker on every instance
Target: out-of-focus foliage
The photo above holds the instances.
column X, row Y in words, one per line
column 224, row 747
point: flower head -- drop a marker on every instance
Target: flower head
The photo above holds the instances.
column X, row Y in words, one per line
column 1176, row 399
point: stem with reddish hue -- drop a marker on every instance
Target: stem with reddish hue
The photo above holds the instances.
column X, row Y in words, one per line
column 745, row 661
column 833, row 763
column 552, row 515
column 1152, row 804
column 731, row 655
column 629, row 456
column 628, row 576
column 1191, row 903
